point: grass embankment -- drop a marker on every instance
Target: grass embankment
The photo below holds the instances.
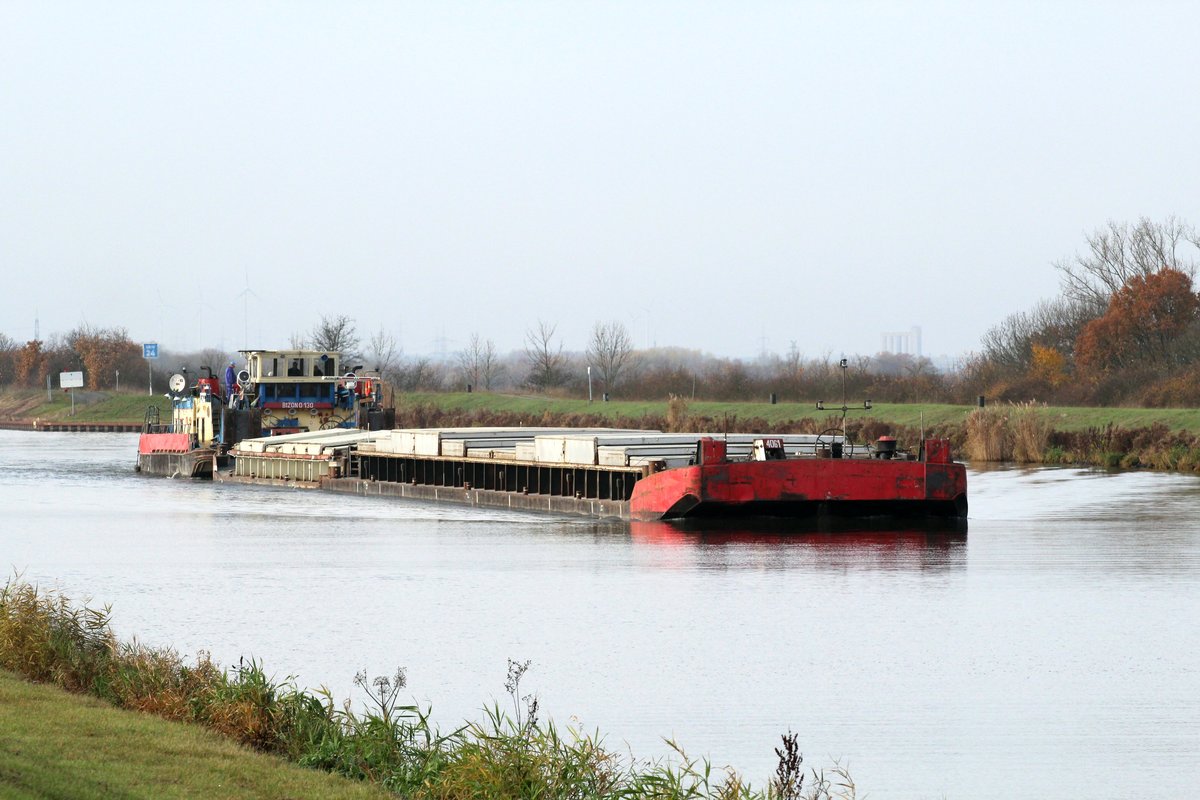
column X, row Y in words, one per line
column 1027, row 433
column 905, row 415
column 54, row 746
column 122, row 407
column 1157, row 438
column 482, row 404
column 131, row 407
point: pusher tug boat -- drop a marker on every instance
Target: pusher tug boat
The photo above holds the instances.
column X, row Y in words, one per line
column 277, row 391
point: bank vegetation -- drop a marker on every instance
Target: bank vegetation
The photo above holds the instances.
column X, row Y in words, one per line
column 512, row 753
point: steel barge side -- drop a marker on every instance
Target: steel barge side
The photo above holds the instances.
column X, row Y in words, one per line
column 638, row 475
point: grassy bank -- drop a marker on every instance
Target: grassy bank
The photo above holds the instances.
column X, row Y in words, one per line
column 56, row 744
column 1156, row 438
column 1129, row 438
column 510, row 754
column 906, row 415
column 131, row 407
column 89, row 406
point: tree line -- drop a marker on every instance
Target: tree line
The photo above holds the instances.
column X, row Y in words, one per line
column 621, row 371
column 1124, row 329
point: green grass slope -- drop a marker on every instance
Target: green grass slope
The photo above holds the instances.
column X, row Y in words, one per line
column 131, row 408
column 906, row 414
column 59, row 745
column 89, row 406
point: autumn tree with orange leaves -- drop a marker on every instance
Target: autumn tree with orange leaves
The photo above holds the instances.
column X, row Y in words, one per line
column 102, row 352
column 30, row 364
column 1144, row 317
column 1048, row 365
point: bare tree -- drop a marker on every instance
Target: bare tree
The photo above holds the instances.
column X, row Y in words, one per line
column 420, row 374
column 1052, row 323
column 793, row 363
column 336, row 333
column 479, row 362
column 383, row 353
column 610, row 350
column 545, row 358
column 1121, row 251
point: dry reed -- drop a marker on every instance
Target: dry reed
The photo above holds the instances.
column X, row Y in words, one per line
column 988, row 435
column 1030, row 433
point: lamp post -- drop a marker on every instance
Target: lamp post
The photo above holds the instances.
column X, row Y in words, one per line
column 589, row 383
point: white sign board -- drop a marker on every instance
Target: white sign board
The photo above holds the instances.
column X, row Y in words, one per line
column 70, row 380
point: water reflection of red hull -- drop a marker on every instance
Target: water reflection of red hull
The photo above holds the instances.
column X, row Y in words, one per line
column 667, row 533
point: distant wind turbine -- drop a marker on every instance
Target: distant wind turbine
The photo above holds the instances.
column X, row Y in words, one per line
column 163, row 307
column 202, row 308
column 246, row 294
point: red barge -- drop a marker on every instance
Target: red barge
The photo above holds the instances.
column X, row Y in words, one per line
column 929, row 485
column 636, row 475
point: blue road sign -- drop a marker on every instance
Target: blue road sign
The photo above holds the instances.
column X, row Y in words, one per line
column 150, row 350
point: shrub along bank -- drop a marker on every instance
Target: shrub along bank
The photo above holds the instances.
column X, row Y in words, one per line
column 511, row 753
column 1024, row 433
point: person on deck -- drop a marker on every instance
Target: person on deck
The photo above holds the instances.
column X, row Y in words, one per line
column 230, row 380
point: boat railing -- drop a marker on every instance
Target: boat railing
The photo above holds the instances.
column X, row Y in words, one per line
column 151, row 423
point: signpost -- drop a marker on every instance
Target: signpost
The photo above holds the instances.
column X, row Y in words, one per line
column 68, row 381
column 150, row 351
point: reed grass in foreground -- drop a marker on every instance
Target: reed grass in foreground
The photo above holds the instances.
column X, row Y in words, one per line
column 508, row 754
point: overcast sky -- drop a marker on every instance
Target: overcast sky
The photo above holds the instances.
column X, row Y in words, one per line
column 714, row 175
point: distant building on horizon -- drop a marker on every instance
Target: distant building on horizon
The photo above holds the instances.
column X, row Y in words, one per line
column 902, row 342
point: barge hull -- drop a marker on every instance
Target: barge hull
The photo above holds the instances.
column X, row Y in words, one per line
column 482, row 498
column 708, row 484
column 194, row 464
column 804, row 488
column 173, row 455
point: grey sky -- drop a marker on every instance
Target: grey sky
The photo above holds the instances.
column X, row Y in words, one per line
column 708, row 173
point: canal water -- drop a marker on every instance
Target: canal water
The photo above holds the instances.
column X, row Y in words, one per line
column 1051, row 651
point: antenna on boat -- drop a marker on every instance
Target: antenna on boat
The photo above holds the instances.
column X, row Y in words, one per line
column 866, row 405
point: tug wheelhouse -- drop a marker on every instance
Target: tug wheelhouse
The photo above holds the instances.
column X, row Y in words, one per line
column 306, row 390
